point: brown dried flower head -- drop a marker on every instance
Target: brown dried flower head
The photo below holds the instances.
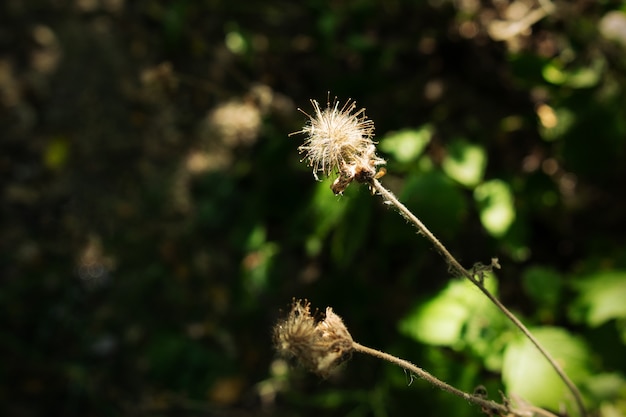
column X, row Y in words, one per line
column 319, row 345
column 339, row 140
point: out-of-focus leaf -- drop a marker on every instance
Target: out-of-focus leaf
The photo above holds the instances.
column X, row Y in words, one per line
column 175, row 16
column 258, row 261
column 56, row 153
column 465, row 163
column 581, row 77
column 526, row 68
column 528, row 375
column 616, row 409
column 543, row 285
column 327, row 23
column 601, row 298
column 495, row 203
column 442, row 320
column 327, row 211
column 178, row 361
column 554, row 122
column 436, row 200
column 406, row 145
column 360, row 42
column 235, row 42
column 607, row 387
column 605, row 122
column 516, row 240
column 351, row 234
column 438, row 322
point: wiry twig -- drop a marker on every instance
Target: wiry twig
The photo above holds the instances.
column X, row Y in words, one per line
column 490, row 407
column 458, row 268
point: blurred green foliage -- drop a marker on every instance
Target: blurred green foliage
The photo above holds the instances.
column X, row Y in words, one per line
column 155, row 218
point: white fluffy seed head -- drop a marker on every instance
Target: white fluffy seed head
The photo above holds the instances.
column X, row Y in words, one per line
column 339, row 140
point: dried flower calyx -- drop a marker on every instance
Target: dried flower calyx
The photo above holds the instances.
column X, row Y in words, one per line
column 320, row 345
column 339, row 140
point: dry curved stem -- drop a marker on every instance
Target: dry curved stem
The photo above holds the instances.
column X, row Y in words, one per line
column 489, row 406
column 477, row 281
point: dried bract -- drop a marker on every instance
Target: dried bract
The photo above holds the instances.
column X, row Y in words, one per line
column 319, row 345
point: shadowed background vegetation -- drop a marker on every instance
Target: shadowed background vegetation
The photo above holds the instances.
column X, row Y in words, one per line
column 155, row 218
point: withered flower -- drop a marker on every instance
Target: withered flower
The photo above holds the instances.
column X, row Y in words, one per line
column 319, row 344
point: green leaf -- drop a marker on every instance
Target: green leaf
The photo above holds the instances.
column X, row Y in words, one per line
column 436, row 200
column 351, row 235
column 543, row 285
column 580, row 77
column 465, row 163
column 56, row 153
column 495, row 204
column 438, row 322
column 442, row 320
column 258, row 261
column 601, row 297
column 553, row 74
column 236, row 42
column 327, row 211
column 527, row 374
column 555, row 122
column 406, row 145
column 607, row 386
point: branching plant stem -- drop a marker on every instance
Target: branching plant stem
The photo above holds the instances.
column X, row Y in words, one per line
column 458, row 268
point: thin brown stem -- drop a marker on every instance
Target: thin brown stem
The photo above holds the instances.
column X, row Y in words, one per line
column 489, row 406
column 457, row 267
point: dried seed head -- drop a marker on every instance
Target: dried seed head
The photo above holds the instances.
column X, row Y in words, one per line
column 339, row 140
column 319, row 345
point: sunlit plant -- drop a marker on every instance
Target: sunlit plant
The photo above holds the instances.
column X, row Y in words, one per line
column 339, row 143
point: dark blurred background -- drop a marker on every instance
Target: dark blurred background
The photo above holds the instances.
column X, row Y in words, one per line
column 156, row 222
